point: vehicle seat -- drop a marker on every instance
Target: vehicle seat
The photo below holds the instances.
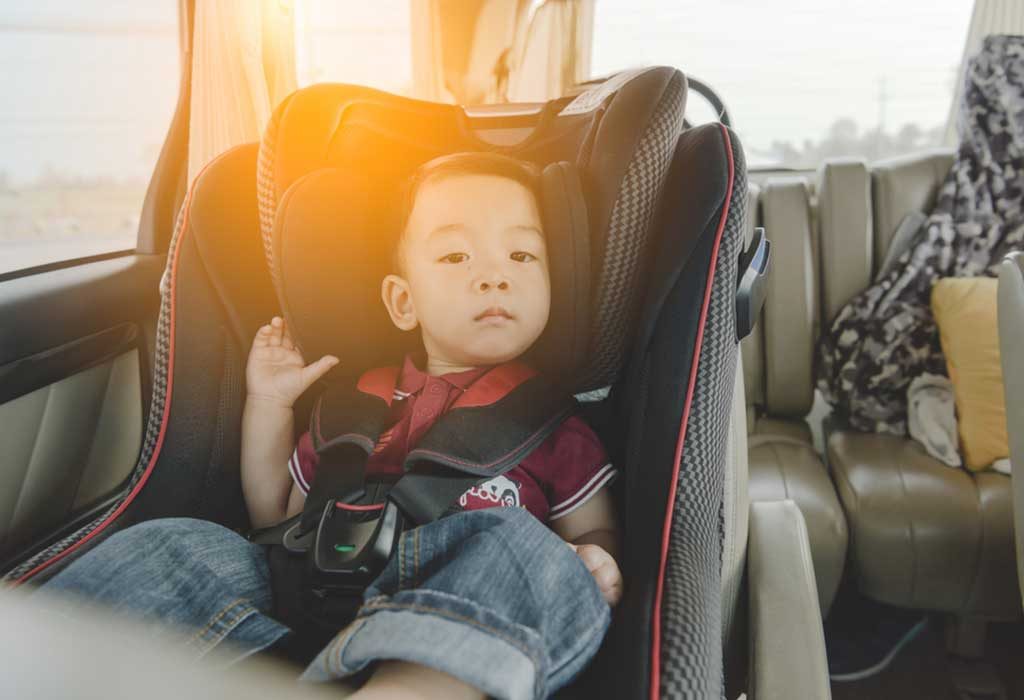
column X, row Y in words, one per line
column 672, row 219
column 923, row 535
column 1011, row 339
column 777, row 363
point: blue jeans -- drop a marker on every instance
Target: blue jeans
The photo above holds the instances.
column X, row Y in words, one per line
column 492, row 597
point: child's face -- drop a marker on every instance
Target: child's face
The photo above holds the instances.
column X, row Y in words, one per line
column 476, row 270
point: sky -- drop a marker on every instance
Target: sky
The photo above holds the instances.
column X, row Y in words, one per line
column 89, row 86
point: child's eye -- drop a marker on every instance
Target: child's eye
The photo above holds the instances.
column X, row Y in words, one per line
column 454, row 258
column 523, row 256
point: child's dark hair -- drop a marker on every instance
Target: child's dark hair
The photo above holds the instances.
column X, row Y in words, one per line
column 464, row 163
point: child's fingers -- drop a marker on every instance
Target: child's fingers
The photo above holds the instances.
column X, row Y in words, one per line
column 593, row 557
column 317, row 369
column 262, row 336
column 613, row 594
column 276, row 329
column 607, row 575
column 603, row 568
column 609, row 580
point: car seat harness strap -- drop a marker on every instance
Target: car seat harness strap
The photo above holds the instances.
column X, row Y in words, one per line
column 349, row 529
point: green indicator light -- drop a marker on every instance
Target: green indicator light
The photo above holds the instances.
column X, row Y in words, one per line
column 344, row 547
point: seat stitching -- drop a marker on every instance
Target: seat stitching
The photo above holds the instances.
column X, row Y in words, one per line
column 416, row 558
column 216, row 618
column 910, row 527
column 980, row 545
column 782, row 472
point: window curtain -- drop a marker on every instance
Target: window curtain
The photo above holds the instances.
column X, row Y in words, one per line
column 243, row 64
column 988, row 17
column 552, row 50
column 495, row 51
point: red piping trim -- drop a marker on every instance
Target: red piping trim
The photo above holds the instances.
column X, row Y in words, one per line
column 167, row 403
column 655, row 680
column 362, row 509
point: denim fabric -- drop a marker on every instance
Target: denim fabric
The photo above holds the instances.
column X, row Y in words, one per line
column 181, row 574
column 492, row 597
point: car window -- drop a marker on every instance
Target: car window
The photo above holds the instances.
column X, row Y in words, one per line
column 87, row 93
column 804, row 80
column 354, row 42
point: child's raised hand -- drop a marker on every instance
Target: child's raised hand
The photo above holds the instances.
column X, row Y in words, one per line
column 603, row 568
column 276, row 371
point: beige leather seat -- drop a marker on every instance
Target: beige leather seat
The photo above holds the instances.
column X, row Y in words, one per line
column 1011, row 339
column 923, row 535
column 777, row 362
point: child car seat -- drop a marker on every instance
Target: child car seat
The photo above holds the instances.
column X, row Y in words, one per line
column 666, row 209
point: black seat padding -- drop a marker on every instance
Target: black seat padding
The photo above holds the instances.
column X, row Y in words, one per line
column 333, row 243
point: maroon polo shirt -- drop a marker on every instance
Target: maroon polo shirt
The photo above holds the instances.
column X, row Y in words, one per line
column 558, row 477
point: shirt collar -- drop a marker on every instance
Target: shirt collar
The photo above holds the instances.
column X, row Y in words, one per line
column 412, row 378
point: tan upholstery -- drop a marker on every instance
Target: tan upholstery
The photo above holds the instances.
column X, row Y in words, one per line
column 786, row 468
column 1011, row 340
column 788, row 428
column 900, row 186
column 777, row 365
column 846, row 242
column 924, row 535
column 66, row 446
column 790, row 309
column 787, row 658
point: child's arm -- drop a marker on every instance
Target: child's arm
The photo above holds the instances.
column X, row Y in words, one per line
column 276, row 376
column 593, row 532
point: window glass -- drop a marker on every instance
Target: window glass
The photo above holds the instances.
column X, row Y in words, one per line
column 86, row 96
column 803, row 80
column 363, row 43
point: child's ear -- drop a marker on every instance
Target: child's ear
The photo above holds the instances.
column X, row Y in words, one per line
column 394, row 290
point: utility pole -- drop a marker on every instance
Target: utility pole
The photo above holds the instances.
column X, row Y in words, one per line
column 883, row 99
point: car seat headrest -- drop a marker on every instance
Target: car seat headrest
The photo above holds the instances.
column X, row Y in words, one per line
column 329, row 257
column 333, row 157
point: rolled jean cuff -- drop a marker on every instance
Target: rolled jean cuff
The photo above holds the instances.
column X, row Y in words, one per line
column 444, row 632
column 248, row 633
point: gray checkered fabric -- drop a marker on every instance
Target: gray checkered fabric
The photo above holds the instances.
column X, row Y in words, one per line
column 628, row 233
column 266, row 190
column 156, row 413
column 691, row 646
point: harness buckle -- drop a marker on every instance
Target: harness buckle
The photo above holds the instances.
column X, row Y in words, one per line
column 352, row 546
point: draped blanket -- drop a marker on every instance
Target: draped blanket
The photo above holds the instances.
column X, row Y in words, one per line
column 886, row 336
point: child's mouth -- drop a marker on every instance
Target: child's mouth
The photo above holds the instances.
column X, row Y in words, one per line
column 495, row 313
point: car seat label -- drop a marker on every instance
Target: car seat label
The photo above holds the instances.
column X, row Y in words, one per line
column 593, row 98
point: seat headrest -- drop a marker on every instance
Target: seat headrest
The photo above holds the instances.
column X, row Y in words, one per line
column 333, row 157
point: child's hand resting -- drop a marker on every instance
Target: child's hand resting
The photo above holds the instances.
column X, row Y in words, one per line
column 603, row 568
column 276, row 371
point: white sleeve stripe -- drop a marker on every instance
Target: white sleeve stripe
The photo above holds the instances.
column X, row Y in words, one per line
column 553, row 515
column 585, row 490
column 293, row 467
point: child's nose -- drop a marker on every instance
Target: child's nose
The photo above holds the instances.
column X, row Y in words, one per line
column 491, row 277
column 485, row 285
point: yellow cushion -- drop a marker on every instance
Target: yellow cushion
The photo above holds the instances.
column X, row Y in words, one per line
column 965, row 312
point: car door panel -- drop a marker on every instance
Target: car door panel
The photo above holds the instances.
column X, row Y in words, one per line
column 75, row 362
